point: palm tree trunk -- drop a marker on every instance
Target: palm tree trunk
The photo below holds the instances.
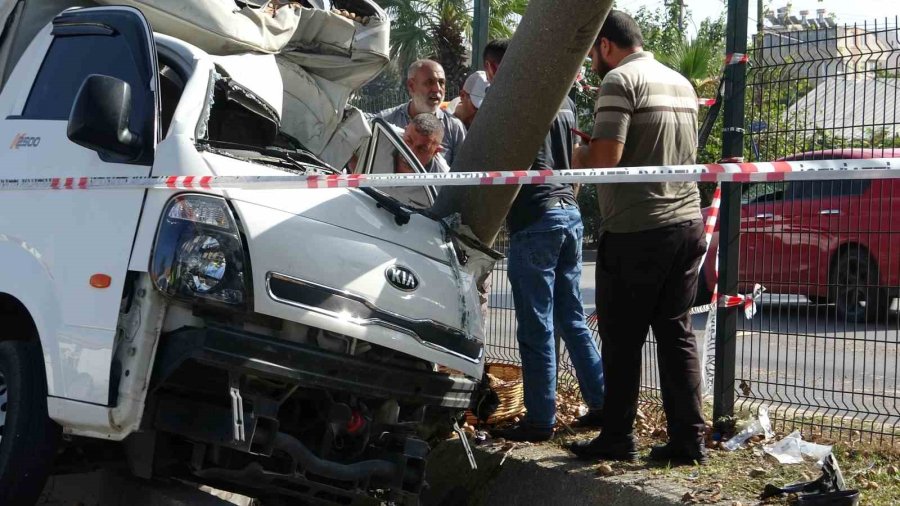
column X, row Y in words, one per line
column 537, row 72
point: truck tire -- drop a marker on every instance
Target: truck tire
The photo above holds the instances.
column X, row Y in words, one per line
column 28, row 438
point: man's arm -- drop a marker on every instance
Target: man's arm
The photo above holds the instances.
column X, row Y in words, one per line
column 612, row 118
column 599, row 154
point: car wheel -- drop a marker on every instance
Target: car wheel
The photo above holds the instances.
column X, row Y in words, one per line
column 855, row 291
column 28, row 438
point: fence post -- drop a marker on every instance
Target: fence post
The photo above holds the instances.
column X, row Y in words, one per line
column 730, row 215
column 481, row 21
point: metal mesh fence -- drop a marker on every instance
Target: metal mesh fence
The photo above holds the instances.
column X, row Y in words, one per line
column 823, row 353
column 824, row 350
column 502, row 346
column 814, row 91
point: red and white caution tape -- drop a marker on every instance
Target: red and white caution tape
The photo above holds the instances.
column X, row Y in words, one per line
column 747, row 301
column 706, row 102
column 877, row 168
column 737, row 59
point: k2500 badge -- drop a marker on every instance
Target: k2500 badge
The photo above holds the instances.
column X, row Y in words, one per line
column 25, row 141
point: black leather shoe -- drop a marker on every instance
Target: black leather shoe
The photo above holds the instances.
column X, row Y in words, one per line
column 523, row 432
column 593, row 419
column 680, row 453
column 605, row 447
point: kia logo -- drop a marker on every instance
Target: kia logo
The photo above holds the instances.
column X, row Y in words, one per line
column 401, row 278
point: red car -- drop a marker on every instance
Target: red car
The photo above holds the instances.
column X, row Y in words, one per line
column 830, row 241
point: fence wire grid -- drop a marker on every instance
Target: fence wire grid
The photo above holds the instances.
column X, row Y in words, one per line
column 823, row 352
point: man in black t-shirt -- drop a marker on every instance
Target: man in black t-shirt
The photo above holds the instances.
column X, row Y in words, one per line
column 544, row 264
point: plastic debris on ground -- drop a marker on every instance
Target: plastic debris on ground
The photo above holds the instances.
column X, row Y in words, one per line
column 759, row 426
column 792, row 449
column 569, row 406
column 829, row 489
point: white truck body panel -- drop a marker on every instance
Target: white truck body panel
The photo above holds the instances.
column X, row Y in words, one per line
column 53, row 242
column 71, row 236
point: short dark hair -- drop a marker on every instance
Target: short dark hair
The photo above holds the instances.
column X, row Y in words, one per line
column 621, row 29
column 495, row 49
column 428, row 124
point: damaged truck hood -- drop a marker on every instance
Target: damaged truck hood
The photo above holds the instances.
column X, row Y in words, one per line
column 328, row 264
column 338, row 246
column 323, row 54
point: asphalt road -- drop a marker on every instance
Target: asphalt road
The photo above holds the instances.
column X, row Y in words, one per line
column 791, row 354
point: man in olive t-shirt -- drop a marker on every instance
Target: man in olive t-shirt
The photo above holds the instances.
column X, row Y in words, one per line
column 650, row 244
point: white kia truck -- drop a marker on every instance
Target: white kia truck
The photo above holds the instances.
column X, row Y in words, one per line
column 283, row 343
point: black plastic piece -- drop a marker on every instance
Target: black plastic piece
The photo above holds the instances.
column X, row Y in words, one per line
column 830, row 482
column 310, row 367
column 837, row 498
column 99, row 119
column 73, row 29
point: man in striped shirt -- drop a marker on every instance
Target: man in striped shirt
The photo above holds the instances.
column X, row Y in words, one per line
column 650, row 244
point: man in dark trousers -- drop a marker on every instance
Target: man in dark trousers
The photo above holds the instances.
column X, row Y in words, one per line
column 650, row 245
column 544, row 266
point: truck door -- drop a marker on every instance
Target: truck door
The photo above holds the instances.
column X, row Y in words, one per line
column 80, row 239
column 386, row 154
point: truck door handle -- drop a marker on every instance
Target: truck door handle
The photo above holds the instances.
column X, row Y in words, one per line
column 765, row 216
column 828, row 212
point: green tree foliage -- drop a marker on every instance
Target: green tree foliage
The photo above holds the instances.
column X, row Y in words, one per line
column 660, row 27
column 442, row 30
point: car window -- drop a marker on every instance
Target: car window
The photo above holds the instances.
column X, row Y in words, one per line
column 757, row 193
column 825, row 189
column 72, row 59
column 390, row 155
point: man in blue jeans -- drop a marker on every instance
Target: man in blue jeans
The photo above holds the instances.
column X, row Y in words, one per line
column 545, row 270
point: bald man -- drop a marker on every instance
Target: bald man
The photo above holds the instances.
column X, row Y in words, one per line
column 426, row 84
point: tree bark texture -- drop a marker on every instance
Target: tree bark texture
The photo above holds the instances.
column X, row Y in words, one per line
column 535, row 76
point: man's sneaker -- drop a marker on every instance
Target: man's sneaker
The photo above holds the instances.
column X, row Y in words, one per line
column 678, row 453
column 523, row 432
column 606, row 447
column 593, row 419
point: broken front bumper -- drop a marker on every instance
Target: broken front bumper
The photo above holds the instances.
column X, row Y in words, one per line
column 246, row 353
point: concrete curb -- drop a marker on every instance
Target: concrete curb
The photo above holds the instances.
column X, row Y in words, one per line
column 540, row 474
column 111, row 488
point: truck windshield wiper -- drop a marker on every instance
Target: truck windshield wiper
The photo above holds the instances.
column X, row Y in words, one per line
column 299, row 159
column 304, row 161
column 390, row 204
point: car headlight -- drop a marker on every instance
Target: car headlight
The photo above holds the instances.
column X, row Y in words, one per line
column 199, row 252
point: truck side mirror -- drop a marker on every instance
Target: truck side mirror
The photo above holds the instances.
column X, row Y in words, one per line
column 100, row 119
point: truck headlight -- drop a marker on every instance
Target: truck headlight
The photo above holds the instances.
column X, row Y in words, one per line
column 199, row 252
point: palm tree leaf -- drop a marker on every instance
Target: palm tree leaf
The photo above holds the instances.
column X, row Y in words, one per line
column 696, row 60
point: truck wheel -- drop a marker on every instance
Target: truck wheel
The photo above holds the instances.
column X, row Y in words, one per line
column 28, row 438
column 856, row 294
